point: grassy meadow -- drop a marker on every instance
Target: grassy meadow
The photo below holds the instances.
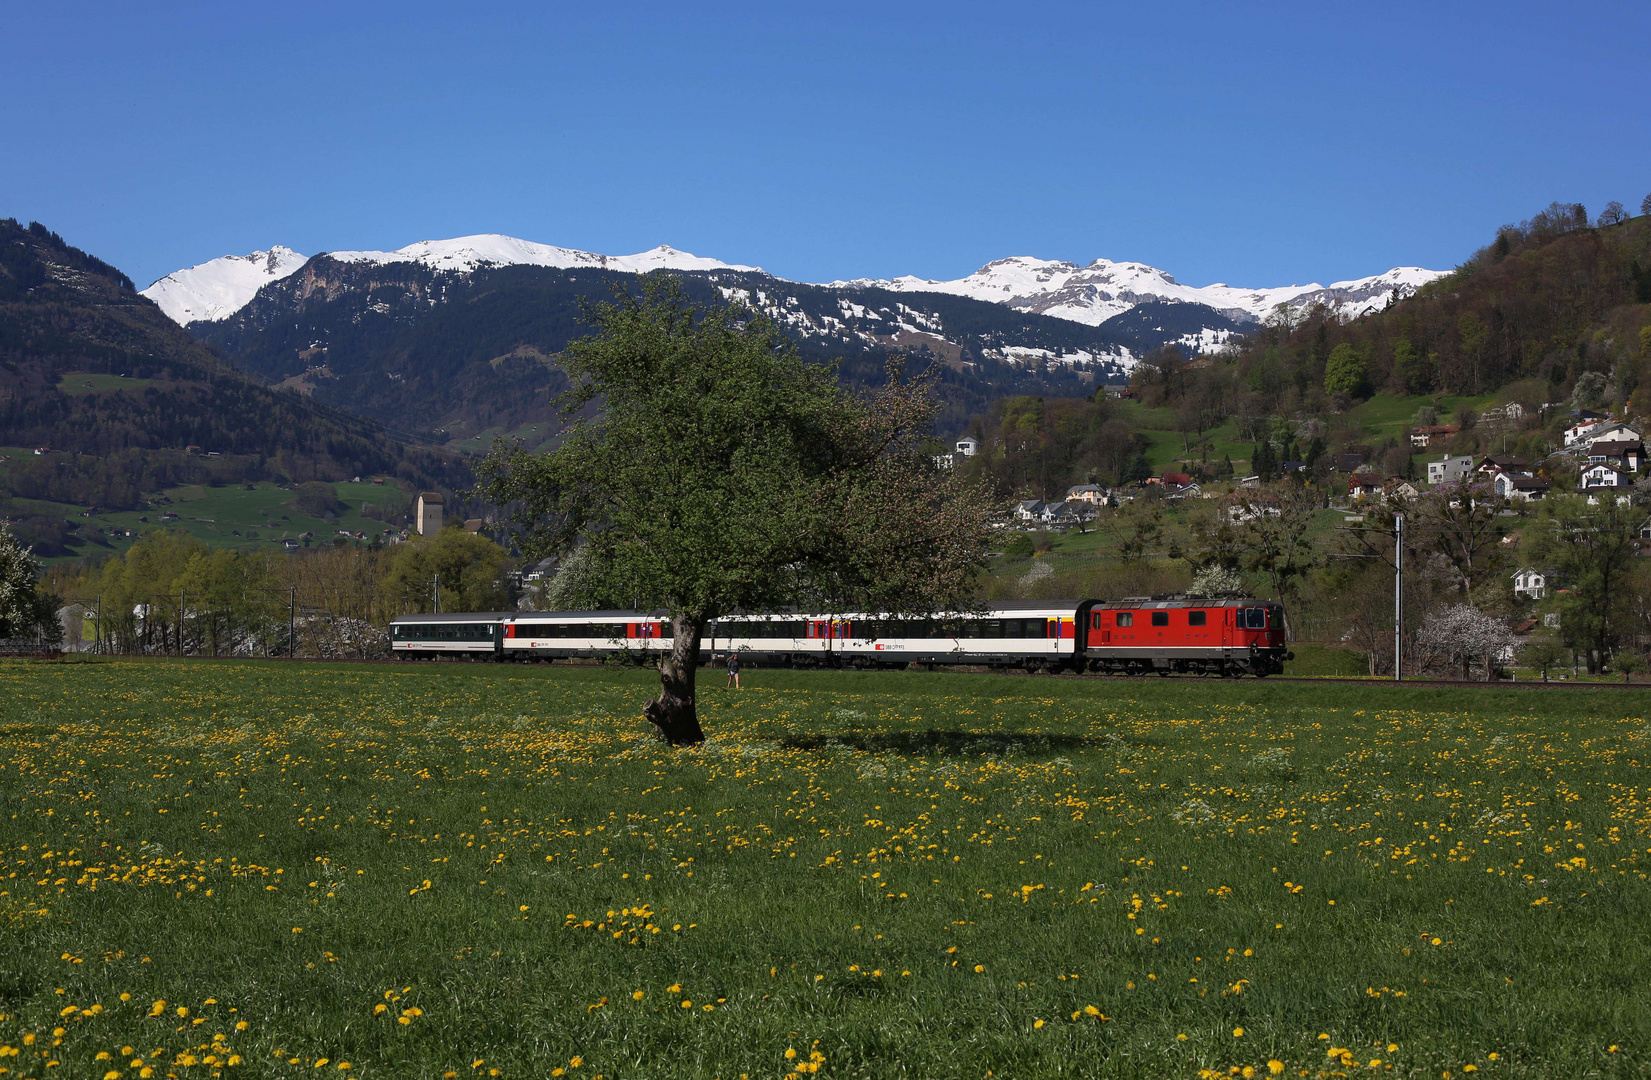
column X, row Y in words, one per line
column 278, row 870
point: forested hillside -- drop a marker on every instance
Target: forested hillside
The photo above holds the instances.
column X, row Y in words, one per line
column 454, row 355
column 1554, row 312
column 120, row 401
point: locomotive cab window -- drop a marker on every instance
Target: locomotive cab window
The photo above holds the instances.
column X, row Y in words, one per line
column 1197, row 618
column 1160, row 618
column 1126, row 618
column 1095, row 621
column 1254, row 618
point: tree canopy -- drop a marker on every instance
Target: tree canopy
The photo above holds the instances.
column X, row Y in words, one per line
column 707, row 470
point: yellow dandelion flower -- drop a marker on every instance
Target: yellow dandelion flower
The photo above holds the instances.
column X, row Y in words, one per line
column 1275, row 1067
column 979, row 968
column 1238, row 1033
column 674, row 988
column 576, row 1061
column 241, row 1025
column 1036, row 1024
column 686, row 1004
column 637, row 996
column 790, row 1053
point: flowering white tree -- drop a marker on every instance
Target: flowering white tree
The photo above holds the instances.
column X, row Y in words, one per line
column 1461, row 634
column 24, row 611
column 1216, row 580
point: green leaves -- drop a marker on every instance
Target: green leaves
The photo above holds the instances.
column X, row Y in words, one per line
column 724, row 473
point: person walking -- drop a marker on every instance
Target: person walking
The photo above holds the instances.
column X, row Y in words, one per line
column 733, row 671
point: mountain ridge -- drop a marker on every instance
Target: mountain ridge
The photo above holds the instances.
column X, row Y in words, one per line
column 1090, row 295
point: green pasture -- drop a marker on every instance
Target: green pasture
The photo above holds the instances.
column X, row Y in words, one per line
column 230, row 516
column 1382, row 417
column 96, row 382
column 453, row 870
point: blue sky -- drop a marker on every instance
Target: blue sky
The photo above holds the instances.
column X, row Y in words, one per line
column 1256, row 144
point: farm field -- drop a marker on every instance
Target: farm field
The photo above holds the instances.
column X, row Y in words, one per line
column 446, row 870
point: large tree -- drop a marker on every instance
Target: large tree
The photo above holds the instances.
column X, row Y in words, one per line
column 1593, row 549
column 708, row 470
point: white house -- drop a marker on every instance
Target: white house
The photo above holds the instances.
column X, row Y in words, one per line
column 1531, row 584
column 1605, row 475
column 1028, row 510
column 968, row 447
column 1591, row 431
column 1449, row 468
column 1089, row 493
column 1517, row 486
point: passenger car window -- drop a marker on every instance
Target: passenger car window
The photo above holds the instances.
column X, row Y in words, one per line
column 1160, row 618
column 1197, row 618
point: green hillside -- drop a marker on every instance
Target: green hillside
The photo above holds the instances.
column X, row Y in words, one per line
column 130, row 405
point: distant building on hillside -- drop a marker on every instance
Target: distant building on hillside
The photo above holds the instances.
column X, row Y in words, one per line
column 1449, row 468
column 429, row 513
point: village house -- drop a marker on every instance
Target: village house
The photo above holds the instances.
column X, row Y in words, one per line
column 1604, row 475
column 1626, row 454
column 1397, row 487
column 1585, row 432
column 1365, row 485
column 1519, row 487
column 1089, row 493
column 1492, row 464
column 1531, row 584
column 1028, row 510
column 968, row 447
column 1433, row 434
column 1449, row 468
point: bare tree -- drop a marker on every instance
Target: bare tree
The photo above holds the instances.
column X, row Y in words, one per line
column 1278, row 545
column 1613, row 214
column 1459, row 522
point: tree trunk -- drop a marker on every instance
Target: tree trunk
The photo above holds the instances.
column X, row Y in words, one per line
column 673, row 711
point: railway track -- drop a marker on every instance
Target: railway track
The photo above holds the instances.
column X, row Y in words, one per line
column 1459, row 684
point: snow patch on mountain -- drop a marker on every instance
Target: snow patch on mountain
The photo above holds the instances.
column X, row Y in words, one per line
column 1095, row 293
column 466, row 253
column 220, row 287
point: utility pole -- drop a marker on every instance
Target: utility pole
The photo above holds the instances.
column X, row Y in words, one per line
column 183, row 611
column 435, row 594
column 1398, row 594
column 292, row 621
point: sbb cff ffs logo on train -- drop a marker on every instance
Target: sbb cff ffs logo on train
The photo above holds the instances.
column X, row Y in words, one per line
column 1135, row 636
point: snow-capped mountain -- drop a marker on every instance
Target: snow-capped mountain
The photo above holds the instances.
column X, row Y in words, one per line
column 1095, row 293
column 1089, row 294
column 219, row 288
column 465, row 253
